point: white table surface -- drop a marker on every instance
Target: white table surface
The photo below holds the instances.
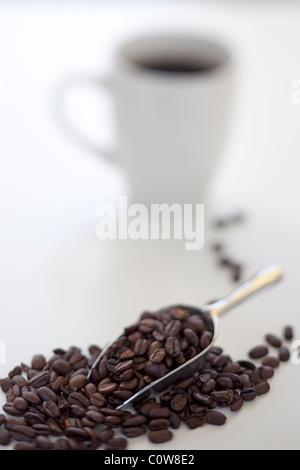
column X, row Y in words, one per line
column 60, row 285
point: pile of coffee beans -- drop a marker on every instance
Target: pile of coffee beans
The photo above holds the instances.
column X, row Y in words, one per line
column 158, row 343
column 51, row 405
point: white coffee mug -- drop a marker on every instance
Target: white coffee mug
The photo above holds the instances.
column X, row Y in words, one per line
column 171, row 103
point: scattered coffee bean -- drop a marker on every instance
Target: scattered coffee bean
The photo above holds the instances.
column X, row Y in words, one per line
column 258, row 352
column 288, row 333
column 284, row 354
column 273, row 340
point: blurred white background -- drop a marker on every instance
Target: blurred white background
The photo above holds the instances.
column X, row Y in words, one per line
column 62, row 286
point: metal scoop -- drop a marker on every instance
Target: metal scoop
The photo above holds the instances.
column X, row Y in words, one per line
column 210, row 315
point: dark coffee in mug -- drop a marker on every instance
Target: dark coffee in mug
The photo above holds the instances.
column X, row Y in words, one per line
column 177, row 65
column 174, row 55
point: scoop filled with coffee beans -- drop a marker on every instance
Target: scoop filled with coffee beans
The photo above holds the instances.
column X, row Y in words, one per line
column 168, row 345
column 74, row 401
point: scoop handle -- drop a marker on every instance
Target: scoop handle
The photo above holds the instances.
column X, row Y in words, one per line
column 262, row 279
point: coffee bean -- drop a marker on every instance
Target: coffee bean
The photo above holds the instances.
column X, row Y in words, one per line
column 155, row 370
column 185, row 383
column 94, row 349
column 224, row 382
column 178, row 402
column 62, row 367
column 197, row 409
column 191, row 336
column 161, row 412
column 208, row 386
column 77, row 361
column 11, row 422
column 237, row 404
column 135, row 420
column 173, row 328
column 126, row 355
column 15, row 371
column 158, row 355
column 42, row 429
column 90, row 389
column 271, row 361
column 202, row 398
column 221, row 360
column 51, row 409
column 40, row 379
column 123, row 395
column 149, row 324
column 247, row 365
column 105, row 434
column 174, row 419
column 265, row 372
column 134, row 431
column 107, row 389
column 160, row 436
column 122, row 366
column 248, row 394
column 172, row 346
column 195, row 322
column 78, row 433
column 46, row 394
column 78, row 381
column 20, row 404
column 43, row 442
column 4, row 437
column 11, row 410
column 273, row 340
column 97, row 399
column 38, row 362
column 116, row 443
column 19, row 380
column 22, row 445
column 158, row 423
column 284, row 354
column 215, row 417
column 220, row 396
column 194, row 422
column 113, row 421
column 95, row 416
column 258, row 352
column 141, row 347
column 6, row 384
column 23, row 433
column 288, row 333
column 262, row 388
column 129, row 384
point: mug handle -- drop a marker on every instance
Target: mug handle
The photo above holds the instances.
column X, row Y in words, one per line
column 63, row 120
